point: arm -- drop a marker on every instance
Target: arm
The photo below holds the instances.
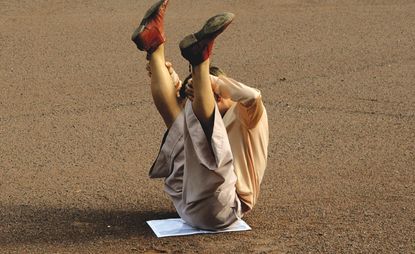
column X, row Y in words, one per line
column 236, row 91
column 250, row 106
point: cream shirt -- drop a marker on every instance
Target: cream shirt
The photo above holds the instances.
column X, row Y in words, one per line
column 248, row 133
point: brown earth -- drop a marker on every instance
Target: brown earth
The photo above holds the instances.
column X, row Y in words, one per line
column 79, row 131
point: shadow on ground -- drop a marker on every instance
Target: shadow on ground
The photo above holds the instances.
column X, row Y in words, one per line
column 28, row 224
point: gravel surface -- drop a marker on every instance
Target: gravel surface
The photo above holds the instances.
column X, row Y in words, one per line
column 79, row 131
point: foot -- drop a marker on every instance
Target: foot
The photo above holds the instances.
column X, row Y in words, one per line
column 197, row 47
column 150, row 33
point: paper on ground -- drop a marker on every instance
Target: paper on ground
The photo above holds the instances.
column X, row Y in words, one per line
column 177, row 227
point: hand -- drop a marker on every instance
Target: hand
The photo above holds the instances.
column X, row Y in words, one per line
column 217, row 88
column 175, row 78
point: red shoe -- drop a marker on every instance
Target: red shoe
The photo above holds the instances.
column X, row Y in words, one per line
column 197, row 47
column 150, row 33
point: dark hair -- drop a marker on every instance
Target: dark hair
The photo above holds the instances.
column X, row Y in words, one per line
column 213, row 70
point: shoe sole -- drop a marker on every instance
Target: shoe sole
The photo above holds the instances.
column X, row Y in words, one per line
column 212, row 26
column 154, row 8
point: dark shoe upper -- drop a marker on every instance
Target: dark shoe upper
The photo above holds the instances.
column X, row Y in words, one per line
column 197, row 47
column 150, row 33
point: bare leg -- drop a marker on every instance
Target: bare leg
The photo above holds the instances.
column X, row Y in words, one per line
column 197, row 48
column 204, row 101
column 162, row 88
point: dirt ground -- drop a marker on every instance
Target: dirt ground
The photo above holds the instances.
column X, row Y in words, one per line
column 79, row 131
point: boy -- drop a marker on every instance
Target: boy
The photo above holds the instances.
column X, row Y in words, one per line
column 214, row 153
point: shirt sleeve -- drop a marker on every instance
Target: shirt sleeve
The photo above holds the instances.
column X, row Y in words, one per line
column 230, row 88
column 250, row 106
column 251, row 115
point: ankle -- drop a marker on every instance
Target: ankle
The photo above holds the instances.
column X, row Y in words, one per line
column 157, row 54
column 201, row 67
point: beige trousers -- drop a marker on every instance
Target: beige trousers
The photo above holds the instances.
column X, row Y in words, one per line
column 199, row 177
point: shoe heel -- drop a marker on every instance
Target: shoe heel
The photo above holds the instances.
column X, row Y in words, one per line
column 217, row 23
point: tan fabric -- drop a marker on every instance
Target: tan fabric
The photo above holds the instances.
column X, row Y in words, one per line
column 199, row 178
column 247, row 127
column 248, row 134
column 229, row 88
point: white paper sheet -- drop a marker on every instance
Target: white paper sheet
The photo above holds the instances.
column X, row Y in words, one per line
column 177, row 227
